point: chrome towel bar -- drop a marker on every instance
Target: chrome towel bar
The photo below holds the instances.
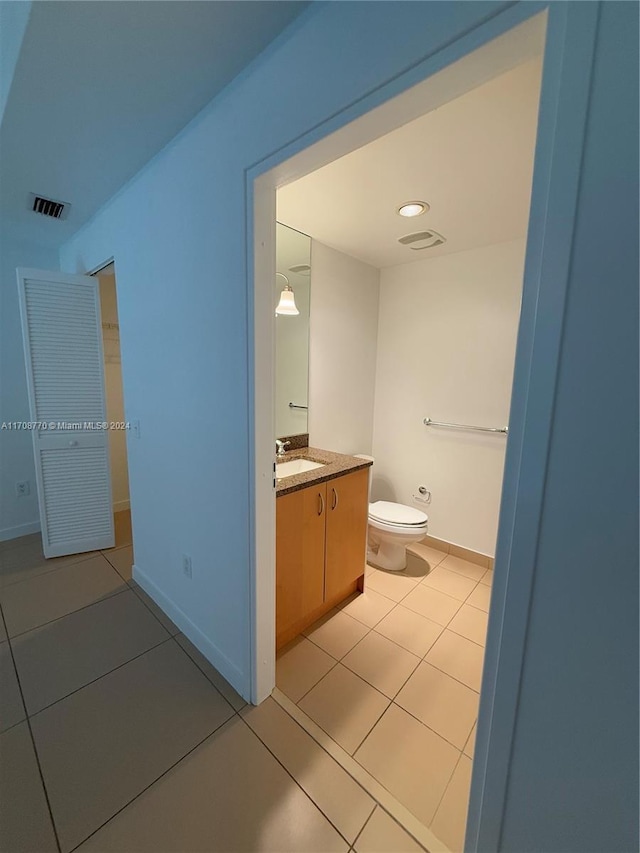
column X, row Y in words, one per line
column 293, row 406
column 502, row 430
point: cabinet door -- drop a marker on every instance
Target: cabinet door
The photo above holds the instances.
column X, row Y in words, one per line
column 346, row 538
column 300, row 535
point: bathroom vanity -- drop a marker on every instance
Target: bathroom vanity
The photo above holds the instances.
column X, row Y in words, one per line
column 321, row 535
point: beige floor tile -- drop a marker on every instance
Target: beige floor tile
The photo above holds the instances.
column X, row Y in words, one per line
column 432, row 604
column 160, row 615
column 412, row 762
column 458, row 657
column 451, row 583
column 336, row 633
column 27, row 561
column 122, row 560
column 383, row 664
column 219, row 682
column 345, row 706
column 410, row 630
column 463, row 567
column 330, row 787
column 104, row 744
column 393, row 585
column 230, row 794
column 487, row 577
column 299, row 666
column 450, row 821
column 368, row 607
column 480, row 597
column 432, row 555
column 11, row 707
column 417, row 567
column 383, row 835
column 470, row 745
column 64, row 655
column 440, row 702
column 34, row 602
column 470, row 623
column 24, row 816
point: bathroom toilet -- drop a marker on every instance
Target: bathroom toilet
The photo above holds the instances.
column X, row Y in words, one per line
column 392, row 526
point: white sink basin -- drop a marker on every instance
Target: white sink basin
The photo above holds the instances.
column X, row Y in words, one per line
column 296, row 466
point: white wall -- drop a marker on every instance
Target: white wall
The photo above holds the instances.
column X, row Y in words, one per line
column 446, row 347
column 113, row 392
column 18, row 515
column 342, row 351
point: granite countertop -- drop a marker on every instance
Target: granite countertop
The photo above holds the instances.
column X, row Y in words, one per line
column 335, row 465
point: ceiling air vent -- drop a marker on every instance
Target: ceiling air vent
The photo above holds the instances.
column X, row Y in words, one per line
column 49, row 207
column 303, row 269
column 423, row 240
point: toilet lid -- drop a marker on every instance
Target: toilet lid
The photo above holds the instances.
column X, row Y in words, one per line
column 394, row 513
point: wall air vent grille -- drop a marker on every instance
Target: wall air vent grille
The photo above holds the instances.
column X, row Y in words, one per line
column 49, row 207
column 423, row 240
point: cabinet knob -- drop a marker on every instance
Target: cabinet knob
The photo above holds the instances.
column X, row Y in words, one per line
column 334, row 501
column 320, row 504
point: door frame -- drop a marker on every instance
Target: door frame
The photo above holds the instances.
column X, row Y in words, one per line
column 568, row 56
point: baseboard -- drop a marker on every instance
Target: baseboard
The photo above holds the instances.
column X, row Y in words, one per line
column 19, row 530
column 119, row 506
column 459, row 551
column 179, row 618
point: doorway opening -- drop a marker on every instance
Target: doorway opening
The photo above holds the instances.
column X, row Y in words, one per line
column 121, row 555
column 506, row 48
column 411, row 351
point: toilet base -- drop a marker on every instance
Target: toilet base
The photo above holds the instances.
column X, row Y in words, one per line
column 389, row 556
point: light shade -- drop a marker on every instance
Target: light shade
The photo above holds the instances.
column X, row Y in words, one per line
column 287, row 304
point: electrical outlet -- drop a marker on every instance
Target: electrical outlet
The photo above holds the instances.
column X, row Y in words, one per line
column 186, row 566
column 23, row 488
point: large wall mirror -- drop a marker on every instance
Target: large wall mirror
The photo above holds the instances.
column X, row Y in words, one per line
column 293, row 270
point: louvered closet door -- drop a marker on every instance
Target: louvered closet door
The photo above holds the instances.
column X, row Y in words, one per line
column 65, row 374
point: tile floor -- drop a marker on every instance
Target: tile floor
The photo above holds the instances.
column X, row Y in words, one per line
column 393, row 676
column 117, row 735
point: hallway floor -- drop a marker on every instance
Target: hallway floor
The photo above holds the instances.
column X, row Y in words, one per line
column 393, row 676
column 117, row 735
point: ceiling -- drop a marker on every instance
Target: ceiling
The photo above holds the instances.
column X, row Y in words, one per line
column 471, row 160
column 100, row 87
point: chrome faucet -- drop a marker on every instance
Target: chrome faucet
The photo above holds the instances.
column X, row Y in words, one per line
column 281, row 446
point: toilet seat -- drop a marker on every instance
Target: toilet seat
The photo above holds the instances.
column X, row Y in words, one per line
column 393, row 516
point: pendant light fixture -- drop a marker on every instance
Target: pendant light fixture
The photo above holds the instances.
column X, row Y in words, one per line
column 287, row 304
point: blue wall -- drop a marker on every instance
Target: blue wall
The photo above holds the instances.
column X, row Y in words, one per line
column 18, row 515
column 574, row 773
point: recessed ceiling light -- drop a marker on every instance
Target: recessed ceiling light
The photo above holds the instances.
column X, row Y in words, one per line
column 413, row 208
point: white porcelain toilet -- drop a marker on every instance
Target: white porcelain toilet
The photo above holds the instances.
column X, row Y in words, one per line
column 392, row 527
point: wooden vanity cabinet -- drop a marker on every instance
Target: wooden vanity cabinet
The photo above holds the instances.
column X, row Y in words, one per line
column 321, row 534
column 300, row 529
column 346, row 531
